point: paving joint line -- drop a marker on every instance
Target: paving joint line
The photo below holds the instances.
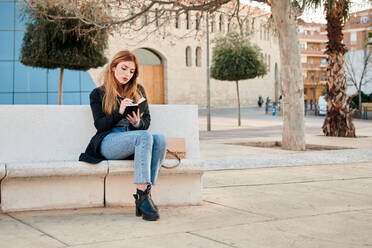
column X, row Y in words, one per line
column 127, row 239
column 332, row 241
column 273, row 218
column 283, row 219
column 205, row 237
column 37, row 229
column 284, row 183
column 239, row 209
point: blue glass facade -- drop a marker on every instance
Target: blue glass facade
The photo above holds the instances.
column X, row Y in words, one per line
column 21, row 84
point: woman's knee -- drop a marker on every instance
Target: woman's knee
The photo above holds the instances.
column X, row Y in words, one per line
column 145, row 137
column 160, row 141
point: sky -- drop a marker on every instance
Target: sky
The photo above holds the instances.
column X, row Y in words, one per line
column 317, row 15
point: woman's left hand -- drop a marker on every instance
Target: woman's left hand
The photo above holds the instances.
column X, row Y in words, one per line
column 134, row 118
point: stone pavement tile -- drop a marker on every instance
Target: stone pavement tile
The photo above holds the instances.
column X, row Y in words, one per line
column 277, row 175
column 211, row 149
column 103, row 225
column 288, row 200
column 15, row 234
column 337, row 230
column 362, row 187
column 179, row 240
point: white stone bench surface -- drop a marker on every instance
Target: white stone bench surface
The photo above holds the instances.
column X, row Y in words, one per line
column 40, row 146
column 52, row 132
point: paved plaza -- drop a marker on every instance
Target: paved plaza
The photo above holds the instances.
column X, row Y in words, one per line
column 252, row 197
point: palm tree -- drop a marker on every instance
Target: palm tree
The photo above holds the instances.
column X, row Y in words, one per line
column 338, row 120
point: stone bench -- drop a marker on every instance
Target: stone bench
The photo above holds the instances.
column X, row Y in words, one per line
column 367, row 108
column 40, row 146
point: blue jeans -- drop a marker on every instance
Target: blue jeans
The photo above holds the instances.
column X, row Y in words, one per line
column 148, row 149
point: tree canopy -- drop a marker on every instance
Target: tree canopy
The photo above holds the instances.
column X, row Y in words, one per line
column 235, row 58
column 47, row 44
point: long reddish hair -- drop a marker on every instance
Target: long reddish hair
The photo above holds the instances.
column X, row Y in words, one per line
column 114, row 89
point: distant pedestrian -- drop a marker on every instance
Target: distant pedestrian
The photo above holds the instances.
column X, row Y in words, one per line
column 260, row 101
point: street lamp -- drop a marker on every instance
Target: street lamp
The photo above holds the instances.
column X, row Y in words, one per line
column 208, row 81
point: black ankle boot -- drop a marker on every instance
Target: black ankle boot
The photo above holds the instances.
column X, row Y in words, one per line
column 150, row 197
column 144, row 205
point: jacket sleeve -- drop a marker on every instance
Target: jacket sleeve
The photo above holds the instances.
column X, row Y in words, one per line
column 102, row 122
column 146, row 118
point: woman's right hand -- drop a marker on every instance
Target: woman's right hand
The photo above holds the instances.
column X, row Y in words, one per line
column 123, row 104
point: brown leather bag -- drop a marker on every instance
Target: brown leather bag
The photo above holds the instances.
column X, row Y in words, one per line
column 176, row 149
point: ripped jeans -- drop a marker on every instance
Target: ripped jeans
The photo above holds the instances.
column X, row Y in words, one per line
column 148, row 149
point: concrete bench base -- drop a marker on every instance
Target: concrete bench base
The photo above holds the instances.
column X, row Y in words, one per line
column 52, row 185
column 72, row 184
column 180, row 186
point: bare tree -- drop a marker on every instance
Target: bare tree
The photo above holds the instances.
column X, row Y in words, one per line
column 358, row 69
column 124, row 15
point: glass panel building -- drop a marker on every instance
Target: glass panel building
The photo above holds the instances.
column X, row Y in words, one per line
column 21, row 84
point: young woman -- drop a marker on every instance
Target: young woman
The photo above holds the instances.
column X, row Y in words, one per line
column 121, row 137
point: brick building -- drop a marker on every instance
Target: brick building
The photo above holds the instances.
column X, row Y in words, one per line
column 313, row 58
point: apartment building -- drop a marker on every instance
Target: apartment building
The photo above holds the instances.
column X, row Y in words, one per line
column 356, row 30
column 313, row 38
column 313, row 58
column 357, row 36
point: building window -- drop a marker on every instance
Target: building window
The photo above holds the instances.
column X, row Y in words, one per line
column 247, row 28
column 261, row 32
column 221, row 24
column 364, row 19
column 198, row 56
column 144, row 19
column 188, row 56
column 213, row 24
column 187, row 20
column 353, row 36
column 177, row 21
column 157, row 17
column 312, row 75
column 132, row 14
column 302, row 46
column 197, row 21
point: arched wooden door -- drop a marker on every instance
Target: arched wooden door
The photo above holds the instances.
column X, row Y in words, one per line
column 151, row 74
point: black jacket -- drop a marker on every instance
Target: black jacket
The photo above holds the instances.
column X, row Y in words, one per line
column 105, row 123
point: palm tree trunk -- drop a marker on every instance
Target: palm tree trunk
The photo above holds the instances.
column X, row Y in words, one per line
column 338, row 121
column 291, row 75
column 237, row 92
column 60, row 90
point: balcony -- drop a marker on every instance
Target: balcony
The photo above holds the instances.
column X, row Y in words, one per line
column 317, row 52
column 313, row 38
column 315, row 81
column 314, row 67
